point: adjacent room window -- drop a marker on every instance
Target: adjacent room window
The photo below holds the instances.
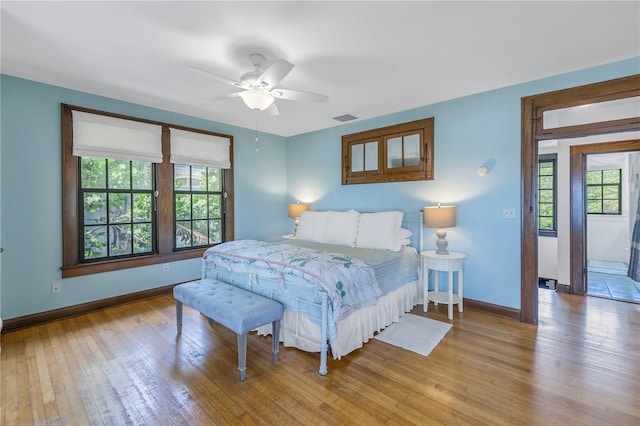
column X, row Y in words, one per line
column 547, row 195
column 402, row 152
column 126, row 205
column 604, row 191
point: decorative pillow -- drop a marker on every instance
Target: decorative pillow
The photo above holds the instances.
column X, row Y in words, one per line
column 380, row 230
column 311, row 226
column 342, row 228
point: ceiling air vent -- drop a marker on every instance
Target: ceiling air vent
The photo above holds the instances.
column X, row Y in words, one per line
column 346, row 117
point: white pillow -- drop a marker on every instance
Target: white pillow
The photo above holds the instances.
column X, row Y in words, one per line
column 311, row 226
column 341, row 228
column 380, row 230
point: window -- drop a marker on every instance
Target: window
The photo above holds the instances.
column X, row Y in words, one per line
column 604, row 190
column 403, row 152
column 547, row 194
column 123, row 208
column 117, row 208
column 197, row 204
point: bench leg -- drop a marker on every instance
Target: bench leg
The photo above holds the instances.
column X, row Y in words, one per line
column 179, row 316
column 242, row 355
column 275, row 339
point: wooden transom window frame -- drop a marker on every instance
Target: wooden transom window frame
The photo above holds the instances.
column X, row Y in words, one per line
column 374, row 165
column 165, row 250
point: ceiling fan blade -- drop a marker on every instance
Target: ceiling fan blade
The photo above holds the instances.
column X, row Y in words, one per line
column 297, row 95
column 273, row 110
column 219, row 77
column 275, row 73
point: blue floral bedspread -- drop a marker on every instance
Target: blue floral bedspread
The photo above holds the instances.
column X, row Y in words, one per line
column 350, row 282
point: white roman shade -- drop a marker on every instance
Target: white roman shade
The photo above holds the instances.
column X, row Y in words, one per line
column 102, row 136
column 199, row 149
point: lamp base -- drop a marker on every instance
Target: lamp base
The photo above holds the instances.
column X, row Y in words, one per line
column 441, row 242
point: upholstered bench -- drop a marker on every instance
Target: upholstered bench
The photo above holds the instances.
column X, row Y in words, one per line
column 233, row 307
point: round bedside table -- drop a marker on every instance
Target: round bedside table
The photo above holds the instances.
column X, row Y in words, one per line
column 450, row 263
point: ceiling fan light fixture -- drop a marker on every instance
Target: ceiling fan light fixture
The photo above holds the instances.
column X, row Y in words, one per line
column 257, row 99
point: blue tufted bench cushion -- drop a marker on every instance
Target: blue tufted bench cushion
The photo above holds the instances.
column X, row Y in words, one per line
column 235, row 308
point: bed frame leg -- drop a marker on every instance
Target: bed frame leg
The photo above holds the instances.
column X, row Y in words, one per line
column 323, row 337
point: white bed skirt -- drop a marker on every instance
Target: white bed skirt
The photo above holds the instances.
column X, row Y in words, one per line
column 296, row 330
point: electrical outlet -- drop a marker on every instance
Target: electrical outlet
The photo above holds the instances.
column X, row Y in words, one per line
column 56, row 288
column 509, row 213
column 165, row 267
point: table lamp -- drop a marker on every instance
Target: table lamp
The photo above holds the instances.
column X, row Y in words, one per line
column 295, row 210
column 440, row 217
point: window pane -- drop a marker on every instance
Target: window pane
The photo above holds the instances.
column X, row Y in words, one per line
column 95, row 242
column 215, row 203
column 198, row 178
column 546, row 196
column 215, row 231
column 119, row 208
column 95, row 208
column 142, row 241
column 594, row 177
column 181, row 177
column 412, row 150
column 394, row 152
column 594, row 206
column 357, row 157
column 545, row 223
column 141, row 175
column 200, row 232
column 93, row 172
column 119, row 174
column 119, row 240
column 215, row 179
column 183, row 234
column 546, row 182
column 545, row 209
column 610, row 192
column 183, row 206
column 545, row 169
column 592, row 113
column 142, row 207
column 199, row 205
column 611, row 207
column 594, row 192
column 611, row 176
column 371, row 156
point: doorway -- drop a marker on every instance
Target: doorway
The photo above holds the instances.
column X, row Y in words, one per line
column 608, row 174
column 535, row 129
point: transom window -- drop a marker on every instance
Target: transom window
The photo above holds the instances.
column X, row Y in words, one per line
column 547, row 195
column 604, row 191
column 403, row 152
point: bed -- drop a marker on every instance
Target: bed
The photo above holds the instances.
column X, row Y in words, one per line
column 342, row 278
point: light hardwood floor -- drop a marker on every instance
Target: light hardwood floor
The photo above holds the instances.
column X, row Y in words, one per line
column 124, row 365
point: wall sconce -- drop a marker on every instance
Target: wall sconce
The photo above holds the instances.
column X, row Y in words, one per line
column 483, row 171
column 440, row 217
column 295, row 211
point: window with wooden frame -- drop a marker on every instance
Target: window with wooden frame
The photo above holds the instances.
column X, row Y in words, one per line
column 547, row 195
column 403, row 152
column 126, row 208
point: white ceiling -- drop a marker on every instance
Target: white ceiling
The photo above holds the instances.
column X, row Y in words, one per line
column 370, row 58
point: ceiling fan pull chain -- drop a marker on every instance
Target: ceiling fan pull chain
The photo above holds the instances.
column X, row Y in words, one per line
column 256, row 134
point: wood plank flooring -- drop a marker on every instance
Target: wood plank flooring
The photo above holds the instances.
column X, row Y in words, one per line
column 125, row 365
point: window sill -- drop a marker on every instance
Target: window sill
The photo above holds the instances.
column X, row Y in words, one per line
column 116, row 265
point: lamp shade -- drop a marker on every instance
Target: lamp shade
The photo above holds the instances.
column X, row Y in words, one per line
column 295, row 210
column 440, row 216
column 257, row 99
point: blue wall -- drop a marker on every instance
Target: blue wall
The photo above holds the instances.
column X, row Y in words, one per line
column 469, row 132
column 31, row 198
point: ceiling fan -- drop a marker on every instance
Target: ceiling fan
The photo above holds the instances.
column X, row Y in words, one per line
column 259, row 92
